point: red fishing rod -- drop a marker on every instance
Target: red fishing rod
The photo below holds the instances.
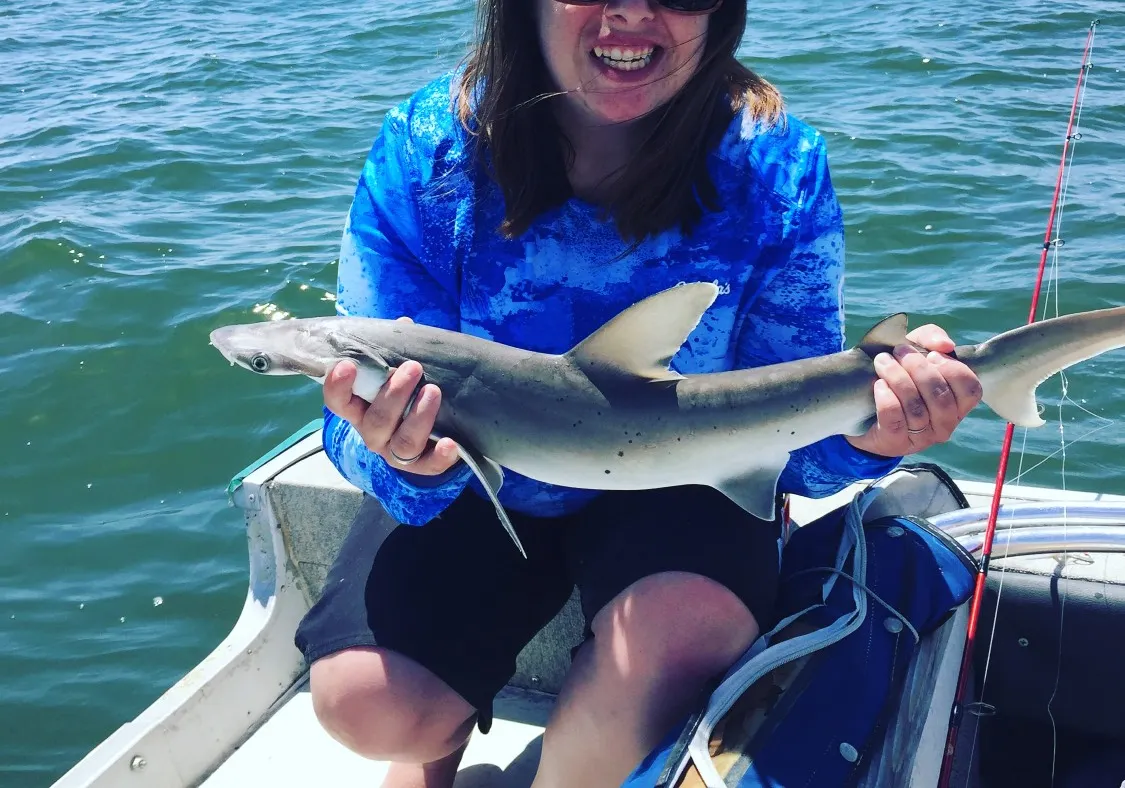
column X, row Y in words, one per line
column 1049, row 242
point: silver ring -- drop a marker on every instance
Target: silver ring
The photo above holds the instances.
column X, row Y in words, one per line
column 912, row 432
column 410, row 461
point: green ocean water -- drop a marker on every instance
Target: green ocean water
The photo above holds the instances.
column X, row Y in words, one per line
column 166, row 168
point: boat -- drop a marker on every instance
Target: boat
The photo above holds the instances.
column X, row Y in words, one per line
column 243, row 716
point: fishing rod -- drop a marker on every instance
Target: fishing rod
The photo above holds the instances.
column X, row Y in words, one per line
column 958, row 711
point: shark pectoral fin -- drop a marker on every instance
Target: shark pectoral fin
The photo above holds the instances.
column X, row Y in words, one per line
column 1013, row 399
column 641, row 341
column 756, row 489
column 491, row 477
column 885, row 334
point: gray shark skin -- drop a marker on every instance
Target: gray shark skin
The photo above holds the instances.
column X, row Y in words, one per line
column 610, row 414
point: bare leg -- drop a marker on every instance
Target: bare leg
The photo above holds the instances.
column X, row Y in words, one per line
column 435, row 774
column 655, row 647
column 387, row 707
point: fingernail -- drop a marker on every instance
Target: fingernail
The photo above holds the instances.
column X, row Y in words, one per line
column 935, row 357
column 901, row 351
column 882, row 360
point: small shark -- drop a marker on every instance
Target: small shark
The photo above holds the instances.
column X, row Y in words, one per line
column 610, row 414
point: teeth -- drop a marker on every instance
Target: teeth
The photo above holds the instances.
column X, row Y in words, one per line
column 624, row 59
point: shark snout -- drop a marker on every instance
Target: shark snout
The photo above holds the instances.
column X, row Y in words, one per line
column 221, row 339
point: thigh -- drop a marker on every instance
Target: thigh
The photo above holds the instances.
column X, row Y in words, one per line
column 624, row 537
column 453, row 595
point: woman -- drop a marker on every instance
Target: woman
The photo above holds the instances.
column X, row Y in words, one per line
column 588, row 155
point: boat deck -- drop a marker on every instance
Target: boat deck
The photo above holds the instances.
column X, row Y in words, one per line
column 244, row 715
column 291, row 748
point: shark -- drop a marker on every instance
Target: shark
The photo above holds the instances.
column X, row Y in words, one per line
column 612, row 414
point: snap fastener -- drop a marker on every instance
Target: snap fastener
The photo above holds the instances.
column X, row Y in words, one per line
column 896, row 531
column 893, row 625
column 849, row 753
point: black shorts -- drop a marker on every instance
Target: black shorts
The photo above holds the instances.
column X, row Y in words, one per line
column 456, row 596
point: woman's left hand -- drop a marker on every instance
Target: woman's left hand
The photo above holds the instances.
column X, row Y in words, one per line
column 920, row 398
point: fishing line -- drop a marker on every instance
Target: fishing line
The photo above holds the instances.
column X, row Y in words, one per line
column 1050, row 241
column 1063, row 581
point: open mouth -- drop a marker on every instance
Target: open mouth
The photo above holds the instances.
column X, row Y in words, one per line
column 624, row 58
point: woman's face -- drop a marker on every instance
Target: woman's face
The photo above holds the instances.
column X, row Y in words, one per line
column 619, row 59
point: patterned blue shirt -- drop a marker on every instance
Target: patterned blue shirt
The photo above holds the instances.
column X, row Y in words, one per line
column 421, row 240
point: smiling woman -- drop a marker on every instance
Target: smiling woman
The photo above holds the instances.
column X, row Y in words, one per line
column 669, row 73
column 586, row 156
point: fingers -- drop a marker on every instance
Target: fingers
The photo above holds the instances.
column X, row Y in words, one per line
column 412, row 438
column 967, row 388
column 413, row 432
column 437, row 458
column 386, row 411
column 338, row 396
column 934, row 405
column 920, row 397
column 384, row 426
column 908, row 414
column 932, row 337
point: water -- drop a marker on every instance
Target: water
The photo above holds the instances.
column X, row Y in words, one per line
column 166, row 168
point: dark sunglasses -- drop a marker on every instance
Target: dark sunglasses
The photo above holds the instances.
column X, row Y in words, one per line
column 678, row 6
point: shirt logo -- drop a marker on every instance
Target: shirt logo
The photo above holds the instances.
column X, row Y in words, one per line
column 724, row 289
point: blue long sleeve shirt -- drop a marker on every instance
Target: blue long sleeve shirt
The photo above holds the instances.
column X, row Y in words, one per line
column 420, row 240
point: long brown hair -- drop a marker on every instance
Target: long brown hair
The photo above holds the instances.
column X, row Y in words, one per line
column 503, row 99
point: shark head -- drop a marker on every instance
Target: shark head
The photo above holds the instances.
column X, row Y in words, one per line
column 310, row 346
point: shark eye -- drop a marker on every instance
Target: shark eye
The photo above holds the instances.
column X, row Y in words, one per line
column 260, row 363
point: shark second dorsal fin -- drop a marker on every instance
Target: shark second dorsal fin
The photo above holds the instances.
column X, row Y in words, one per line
column 885, row 334
column 640, row 341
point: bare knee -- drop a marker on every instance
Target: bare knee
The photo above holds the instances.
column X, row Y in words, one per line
column 387, row 707
column 674, row 624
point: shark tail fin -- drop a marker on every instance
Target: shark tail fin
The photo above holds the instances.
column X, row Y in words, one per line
column 1013, row 399
column 1012, row 365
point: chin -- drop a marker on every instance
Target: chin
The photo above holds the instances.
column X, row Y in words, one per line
column 621, row 108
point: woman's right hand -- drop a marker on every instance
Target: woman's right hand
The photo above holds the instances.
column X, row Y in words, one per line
column 381, row 423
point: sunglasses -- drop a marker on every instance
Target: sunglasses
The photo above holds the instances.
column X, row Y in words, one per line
column 677, row 6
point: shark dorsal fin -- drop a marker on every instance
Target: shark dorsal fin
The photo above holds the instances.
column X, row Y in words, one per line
column 885, row 334
column 640, row 341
